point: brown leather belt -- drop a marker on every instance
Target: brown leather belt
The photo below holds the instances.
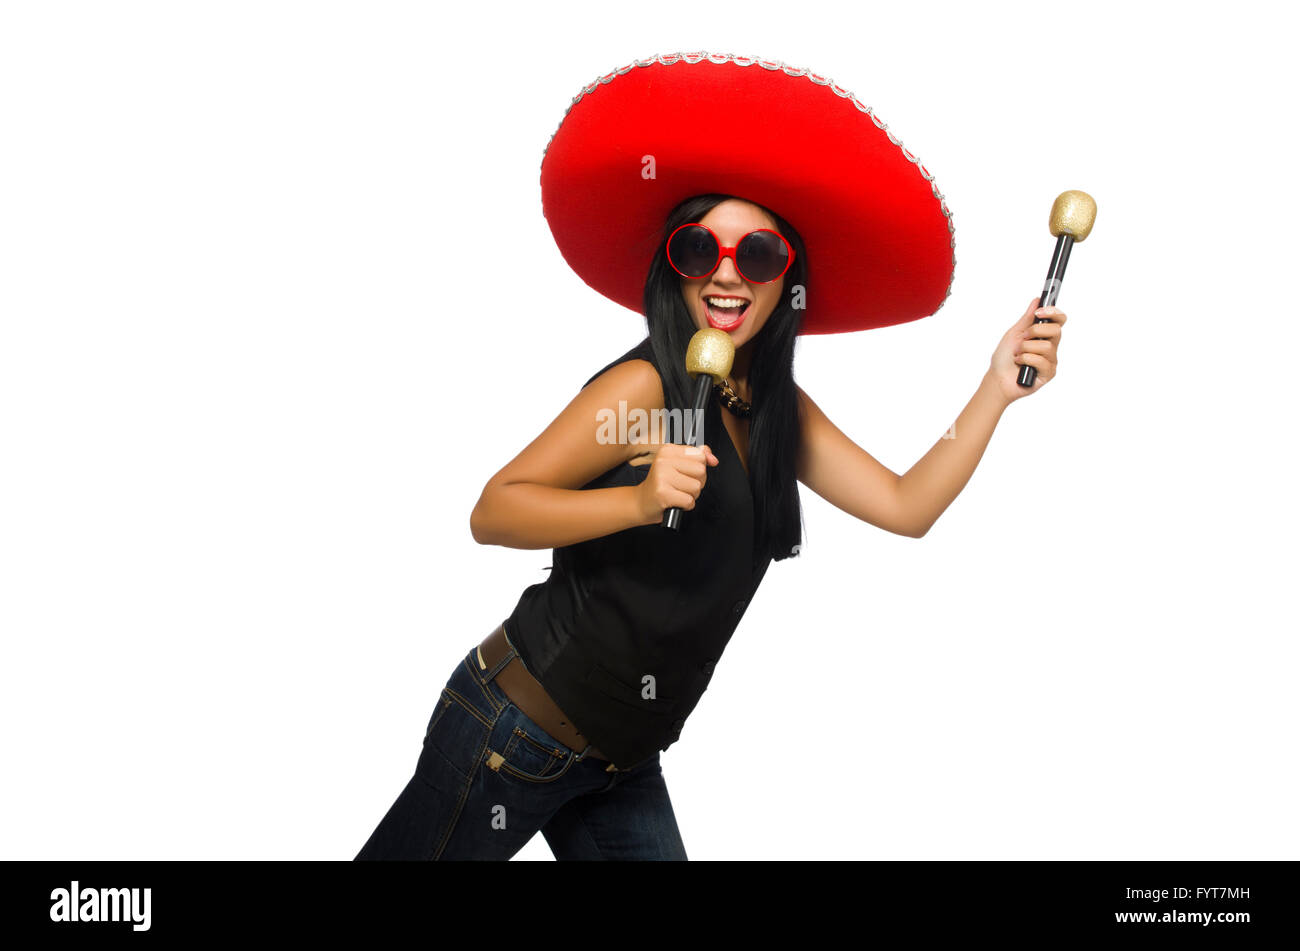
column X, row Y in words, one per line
column 526, row 693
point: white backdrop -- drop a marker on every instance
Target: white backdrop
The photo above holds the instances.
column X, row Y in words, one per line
column 252, row 256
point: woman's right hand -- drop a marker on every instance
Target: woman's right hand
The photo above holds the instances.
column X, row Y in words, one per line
column 676, row 478
column 542, row 499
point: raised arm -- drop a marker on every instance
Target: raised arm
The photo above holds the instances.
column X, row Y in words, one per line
column 844, row 474
column 847, row 476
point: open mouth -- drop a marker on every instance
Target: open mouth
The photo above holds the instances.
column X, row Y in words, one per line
column 726, row 313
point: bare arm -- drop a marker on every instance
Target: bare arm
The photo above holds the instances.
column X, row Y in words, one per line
column 847, row 476
column 844, row 474
column 928, row 488
column 537, row 499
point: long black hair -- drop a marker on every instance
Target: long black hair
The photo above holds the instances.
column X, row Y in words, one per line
column 774, row 423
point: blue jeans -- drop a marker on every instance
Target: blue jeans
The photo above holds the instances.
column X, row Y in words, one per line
column 488, row 778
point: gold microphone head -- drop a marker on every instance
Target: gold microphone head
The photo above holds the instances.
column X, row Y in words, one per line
column 710, row 351
column 1073, row 213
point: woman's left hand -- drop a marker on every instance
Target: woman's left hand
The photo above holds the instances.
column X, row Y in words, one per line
column 1018, row 348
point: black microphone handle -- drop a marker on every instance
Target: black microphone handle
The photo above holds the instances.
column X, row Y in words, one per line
column 1055, row 275
column 694, row 437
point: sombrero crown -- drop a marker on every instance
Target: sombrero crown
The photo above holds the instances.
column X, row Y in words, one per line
column 637, row 141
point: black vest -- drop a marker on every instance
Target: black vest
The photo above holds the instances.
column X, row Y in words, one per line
column 647, row 601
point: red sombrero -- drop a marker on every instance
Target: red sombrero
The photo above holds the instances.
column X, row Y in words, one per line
column 878, row 232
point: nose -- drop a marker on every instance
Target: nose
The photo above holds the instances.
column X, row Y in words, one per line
column 726, row 272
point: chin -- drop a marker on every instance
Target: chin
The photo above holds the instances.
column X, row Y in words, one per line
column 741, row 337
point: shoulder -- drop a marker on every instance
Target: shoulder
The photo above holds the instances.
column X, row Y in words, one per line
column 634, row 372
column 635, row 380
column 807, row 408
column 815, row 427
column 809, row 411
column 621, row 392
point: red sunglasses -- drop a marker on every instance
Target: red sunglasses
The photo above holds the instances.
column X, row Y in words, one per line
column 761, row 256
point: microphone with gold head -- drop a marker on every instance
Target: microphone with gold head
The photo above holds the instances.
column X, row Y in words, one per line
column 708, row 359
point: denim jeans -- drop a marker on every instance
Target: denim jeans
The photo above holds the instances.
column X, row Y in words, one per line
column 489, row 778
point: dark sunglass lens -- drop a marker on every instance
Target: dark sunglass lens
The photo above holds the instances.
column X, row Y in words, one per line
column 762, row 256
column 693, row 251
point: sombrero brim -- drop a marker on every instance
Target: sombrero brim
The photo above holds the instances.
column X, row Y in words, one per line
column 878, row 233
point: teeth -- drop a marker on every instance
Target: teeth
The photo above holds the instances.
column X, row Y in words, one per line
column 730, row 304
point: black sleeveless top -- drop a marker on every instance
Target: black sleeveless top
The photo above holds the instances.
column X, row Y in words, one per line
column 644, row 602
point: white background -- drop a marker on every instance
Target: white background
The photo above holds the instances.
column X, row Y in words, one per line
column 277, row 298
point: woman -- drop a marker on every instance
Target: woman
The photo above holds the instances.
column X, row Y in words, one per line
column 555, row 721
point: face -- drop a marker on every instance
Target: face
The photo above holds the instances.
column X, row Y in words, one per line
column 731, row 221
